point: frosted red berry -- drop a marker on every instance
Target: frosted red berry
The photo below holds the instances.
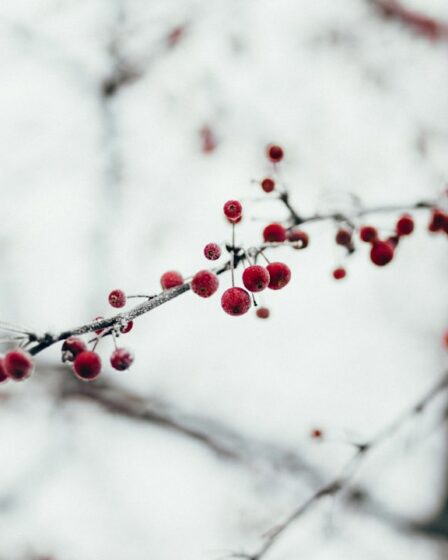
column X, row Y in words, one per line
column 405, row 225
column 17, row 364
column 296, row 235
column 339, row 273
column 280, row 275
column 117, row 298
column 233, row 210
column 236, row 301
column 127, row 327
column 205, row 283
column 212, row 251
column 71, row 347
column 275, row 153
column 121, row 359
column 262, row 312
column 87, row 365
column 268, row 184
column 171, row 279
column 343, row 237
column 274, row 233
column 368, row 234
column 255, row 278
column 382, row 253
column 3, row 375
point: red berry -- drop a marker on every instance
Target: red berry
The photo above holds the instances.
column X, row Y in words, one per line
column 236, row 301
column 127, row 327
column 268, row 185
column 438, row 220
column 343, row 237
column 274, row 233
column 3, row 375
column 274, row 153
column 382, row 253
column 87, row 365
column 280, row 275
column 233, row 210
column 339, row 273
column 205, row 283
column 121, row 359
column 117, row 298
column 296, row 235
column 72, row 347
column 368, row 234
column 255, row 278
column 171, row 279
column 405, row 225
column 212, row 251
column 263, row 313
column 17, row 364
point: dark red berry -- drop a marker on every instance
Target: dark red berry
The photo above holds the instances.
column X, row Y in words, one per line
column 255, row 278
column 405, row 225
column 72, row 347
column 262, row 312
column 127, row 327
column 233, row 210
column 235, row 301
column 268, row 185
column 17, row 364
column 339, row 273
column 171, row 279
column 274, row 233
column 280, row 275
column 343, row 237
column 438, row 220
column 212, row 251
column 368, row 234
column 204, row 283
column 382, row 253
column 117, row 298
column 121, row 359
column 87, row 365
column 274, row 153
column 3, row 375
column 296, row 235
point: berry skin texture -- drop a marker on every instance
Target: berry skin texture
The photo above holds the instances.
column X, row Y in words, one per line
column 382, row 253
column 405, row 225
column 343, row 237
column 233, row 210
column 87, row 366
column 3, row 376
column 339, row 273
column 263, row 313
column 275, row 153
column 236, row 301
column 72, row 347
column 274, row 233
column 117, row 298
column 296, row 235
column 121, row 359
column 212, row 251
column 171, row 279
column 255, row 278
column 17, row 364
column 205, row 283
column 280, row 275
column 268, row 184
column 368, row 234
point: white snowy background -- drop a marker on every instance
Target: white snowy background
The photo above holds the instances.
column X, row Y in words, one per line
column 100, row 192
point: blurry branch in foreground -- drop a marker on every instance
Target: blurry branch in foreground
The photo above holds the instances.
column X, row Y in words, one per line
column 342, row 481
